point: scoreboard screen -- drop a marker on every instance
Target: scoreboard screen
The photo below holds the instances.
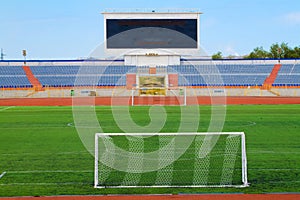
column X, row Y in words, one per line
column 151, row 33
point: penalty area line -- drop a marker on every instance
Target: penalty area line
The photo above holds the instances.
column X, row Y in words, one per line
column 48, row 171
column 6, row 108
column 2, row 174
column 39, row 184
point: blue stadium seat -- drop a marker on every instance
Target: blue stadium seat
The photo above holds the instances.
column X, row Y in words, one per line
column 221, row 75
column 188, row 75
column 288, row 75
column 60, row 76
column 13, row 77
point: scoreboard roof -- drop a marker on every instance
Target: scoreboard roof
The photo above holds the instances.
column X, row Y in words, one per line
column 156, row 10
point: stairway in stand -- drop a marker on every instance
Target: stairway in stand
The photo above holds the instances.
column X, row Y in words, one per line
column 271, row 78
column 32, row 79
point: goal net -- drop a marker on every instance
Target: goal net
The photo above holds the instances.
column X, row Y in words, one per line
column 170, row 160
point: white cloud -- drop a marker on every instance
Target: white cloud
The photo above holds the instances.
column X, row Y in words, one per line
column 292, row 18
column 229, row 50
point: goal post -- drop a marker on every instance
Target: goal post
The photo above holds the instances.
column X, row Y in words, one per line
column 124, row 160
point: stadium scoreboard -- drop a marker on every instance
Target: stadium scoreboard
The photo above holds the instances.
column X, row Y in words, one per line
column 151, row 33
column 138, row 36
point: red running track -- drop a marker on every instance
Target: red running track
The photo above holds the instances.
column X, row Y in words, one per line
column 107, row 101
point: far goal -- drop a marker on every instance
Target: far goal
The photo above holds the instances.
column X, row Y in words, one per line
column 124, row 160
column 159, row 96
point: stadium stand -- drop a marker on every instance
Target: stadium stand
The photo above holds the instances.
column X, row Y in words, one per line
column 289, row 75
column 231, row 75
column 221, row 75
column 16, row 81
column 13, row 77
column 70, row 76
column 54, row 70
column 11, row 70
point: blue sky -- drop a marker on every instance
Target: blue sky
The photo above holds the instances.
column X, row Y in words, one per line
column 70, row 29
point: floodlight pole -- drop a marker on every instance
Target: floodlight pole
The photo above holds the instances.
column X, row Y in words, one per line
column 24, row 54
column 2, row 54
column 279, row 54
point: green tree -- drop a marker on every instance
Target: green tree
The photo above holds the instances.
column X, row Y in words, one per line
column 296, row 52
column 277, row 51
column 281, row 51
column 286, row 51
column 274, row 50
column 258, row 52
column 217, row 55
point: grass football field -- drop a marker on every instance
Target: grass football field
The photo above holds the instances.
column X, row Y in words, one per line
column 41, row 153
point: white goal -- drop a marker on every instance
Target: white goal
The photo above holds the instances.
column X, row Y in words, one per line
column 124, row 160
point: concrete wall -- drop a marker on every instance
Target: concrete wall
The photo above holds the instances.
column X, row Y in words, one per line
column 152, row 61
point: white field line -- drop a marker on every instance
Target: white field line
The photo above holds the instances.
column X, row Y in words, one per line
column 50, row 171
column 6, row 108
column 278, row 169
column 67, row 183
column 38, row 127
column 92, row 171
column 2, row 174
column 90, row 183
column 46, row 153
column 32, row 127
column 270, row 152
column 86, row 152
